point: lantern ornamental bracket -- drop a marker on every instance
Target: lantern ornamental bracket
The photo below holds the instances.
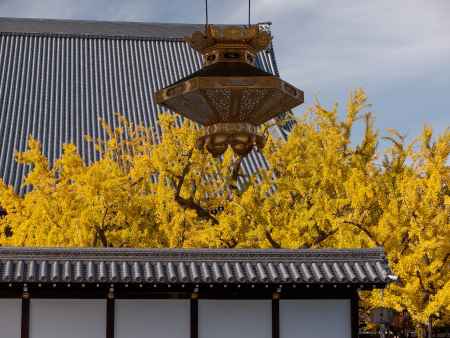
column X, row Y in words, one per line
column 229, row 95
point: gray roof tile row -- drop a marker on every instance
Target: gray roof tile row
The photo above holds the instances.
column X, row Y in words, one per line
column 359, row 266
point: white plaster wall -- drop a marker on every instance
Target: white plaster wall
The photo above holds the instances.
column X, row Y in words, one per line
column 10, row 318
column 318, row 318
column 148, row 318
column 235, row 318
column 67, row 318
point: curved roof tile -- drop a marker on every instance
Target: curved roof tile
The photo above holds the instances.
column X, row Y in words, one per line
column 193, row 266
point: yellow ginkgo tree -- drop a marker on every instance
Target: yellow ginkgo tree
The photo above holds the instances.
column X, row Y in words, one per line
column 321, row 187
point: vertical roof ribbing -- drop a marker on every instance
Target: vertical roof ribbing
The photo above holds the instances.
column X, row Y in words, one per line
column 57, row 78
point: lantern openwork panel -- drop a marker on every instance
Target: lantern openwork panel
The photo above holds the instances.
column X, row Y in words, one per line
column 210, row 100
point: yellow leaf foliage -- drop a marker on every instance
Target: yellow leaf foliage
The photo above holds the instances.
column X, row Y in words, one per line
column 321, row 189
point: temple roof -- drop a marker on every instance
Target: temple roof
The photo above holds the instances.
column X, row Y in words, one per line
column 104, row 29
column 198, row 266
column 58, row 77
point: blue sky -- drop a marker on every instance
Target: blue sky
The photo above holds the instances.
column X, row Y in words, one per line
column 397, row 50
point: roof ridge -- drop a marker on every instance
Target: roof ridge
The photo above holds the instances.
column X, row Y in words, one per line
column 56, row 20
column 174, row 253
column 93, row 28
column 98, row 29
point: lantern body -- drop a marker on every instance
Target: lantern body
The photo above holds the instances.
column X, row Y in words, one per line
column 229, row 95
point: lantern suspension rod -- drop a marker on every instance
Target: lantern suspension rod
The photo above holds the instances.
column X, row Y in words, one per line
column 206, row 16
column 249, row 13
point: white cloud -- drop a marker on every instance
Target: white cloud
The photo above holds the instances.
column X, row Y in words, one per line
column 361, row 37
column 397, row 49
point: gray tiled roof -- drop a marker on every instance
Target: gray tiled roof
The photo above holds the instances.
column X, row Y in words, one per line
column 58, row 77
column 324, row 266
column 127, row 30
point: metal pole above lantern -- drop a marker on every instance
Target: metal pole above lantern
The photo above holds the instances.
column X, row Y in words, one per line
column 229, row 95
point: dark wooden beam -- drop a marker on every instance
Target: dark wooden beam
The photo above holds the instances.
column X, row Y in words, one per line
column 354, row 313
column 162, row 291
column 194, row 316
column 276, row 316
column 25, row 325
column 110, row 307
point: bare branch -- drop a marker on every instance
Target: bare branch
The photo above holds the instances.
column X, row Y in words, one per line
column 367, row 232
column 272, row 242
column 323, row 235
column 189, row 203
column 201, row 212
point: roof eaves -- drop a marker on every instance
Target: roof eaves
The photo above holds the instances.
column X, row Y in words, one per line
column 357, row 267
column 97, row 29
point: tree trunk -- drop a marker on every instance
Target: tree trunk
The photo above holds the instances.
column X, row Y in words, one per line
column 421, row 331
column 430, row 328
column 382, row 331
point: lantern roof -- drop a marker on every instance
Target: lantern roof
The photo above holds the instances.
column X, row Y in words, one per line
column 225, row 69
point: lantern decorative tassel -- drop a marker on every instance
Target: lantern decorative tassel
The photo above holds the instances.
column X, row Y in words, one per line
column 229, row 95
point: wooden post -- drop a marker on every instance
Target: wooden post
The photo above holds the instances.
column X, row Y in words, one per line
column 110, row 313
column 194, row 315
column 276, row 315
column 354, row 313
column 25, row 320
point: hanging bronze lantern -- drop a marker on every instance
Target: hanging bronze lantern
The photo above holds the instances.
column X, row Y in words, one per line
column 230, row 96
